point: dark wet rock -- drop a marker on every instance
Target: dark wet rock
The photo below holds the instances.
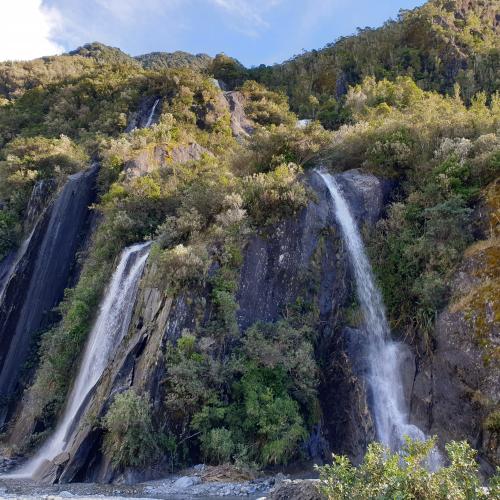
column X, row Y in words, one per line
column 457, row 382
column 38, row 201
column 145, row 113
column 39, row 277
column 300, row 257
column 365, row 194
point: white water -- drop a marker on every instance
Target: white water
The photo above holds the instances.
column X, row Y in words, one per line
column 152, row 113
column 384, row 379
column 107, row 333
column 19, row 255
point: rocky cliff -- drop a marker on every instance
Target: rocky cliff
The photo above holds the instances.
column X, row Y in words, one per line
column 300, row 257
column 456, row 387
column 34, row 284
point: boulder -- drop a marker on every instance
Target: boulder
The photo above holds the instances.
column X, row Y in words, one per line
column 241, row 126
column 305, row 489
column 62, row 458
column 186, row 482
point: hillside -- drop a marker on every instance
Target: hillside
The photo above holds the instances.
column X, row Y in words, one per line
column 191, row 275
column 438, row 45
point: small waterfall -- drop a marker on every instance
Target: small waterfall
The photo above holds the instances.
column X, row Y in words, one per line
column 385, row 381
column 35, row 283
column 10, row 267
column 151, row 114
column 107, row 333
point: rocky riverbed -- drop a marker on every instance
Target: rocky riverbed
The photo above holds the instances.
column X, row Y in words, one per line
column 196, row 484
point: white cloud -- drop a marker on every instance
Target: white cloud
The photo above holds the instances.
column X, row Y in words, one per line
column 26, row 28
column 249, row 14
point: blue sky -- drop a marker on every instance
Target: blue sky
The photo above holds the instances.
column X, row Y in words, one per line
column 253, row 31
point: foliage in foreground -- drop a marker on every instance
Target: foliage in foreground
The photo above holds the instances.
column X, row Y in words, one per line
column 386, row 475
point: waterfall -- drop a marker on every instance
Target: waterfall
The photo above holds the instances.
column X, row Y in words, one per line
column 107, row 333
column 10, row 267
column 34, row 285
column 151, row 114
column 384, row 377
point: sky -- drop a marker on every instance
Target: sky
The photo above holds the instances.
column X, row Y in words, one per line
column 254, row 31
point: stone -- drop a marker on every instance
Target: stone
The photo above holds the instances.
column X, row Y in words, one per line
column 62, row 458
column 186, row 482
column 306, row 489
column 241, row 126
column 47, row 473
column 191, row 152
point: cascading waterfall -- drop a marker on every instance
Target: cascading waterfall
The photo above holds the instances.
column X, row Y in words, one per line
column 5, row 276
column 35, row 283
column 384, row 378
column 152, row 113
column 107, row 333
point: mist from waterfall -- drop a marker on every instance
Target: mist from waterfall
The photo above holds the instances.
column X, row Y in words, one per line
column 109, row 329
column 384, row 377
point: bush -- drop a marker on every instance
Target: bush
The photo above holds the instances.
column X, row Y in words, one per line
column 130, row 440
column 218, row 446
column 387, row 475
column 272, row 196
column 270, row 147
column 266, row 107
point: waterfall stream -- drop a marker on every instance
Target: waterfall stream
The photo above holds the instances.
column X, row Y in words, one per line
column 384, row 378
column 107, row 333
column 152, row 113
column 35, row 283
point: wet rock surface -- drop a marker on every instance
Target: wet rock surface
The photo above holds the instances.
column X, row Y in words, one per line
column 40, row 275
column 456, row 387
column 143, row 115
column 300, row 257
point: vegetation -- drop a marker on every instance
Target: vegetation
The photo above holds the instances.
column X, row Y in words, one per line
column 415, row 102
column 253, row 407
column 130, row 439
column 437, row 45
column 387, row 475
column 25, row 162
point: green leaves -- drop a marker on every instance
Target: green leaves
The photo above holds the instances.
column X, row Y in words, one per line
column 130, row 439
column 387, row 476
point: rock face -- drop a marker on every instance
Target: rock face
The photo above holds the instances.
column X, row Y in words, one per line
column 457, row 388
column 147, row 113
column 38, row 277
column 298, row 257
column 298, row 490
column 159, row 157
column 241, row 126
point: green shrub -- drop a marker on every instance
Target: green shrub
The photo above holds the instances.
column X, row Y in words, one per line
column 272, row 196
column 130, row 440
column 266, row 107
column 387, row 475
column 218, row 446
column 9, row 231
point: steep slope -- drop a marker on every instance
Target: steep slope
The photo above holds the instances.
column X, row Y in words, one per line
column 438, row 45
column 278, row 268
column 38, row 281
